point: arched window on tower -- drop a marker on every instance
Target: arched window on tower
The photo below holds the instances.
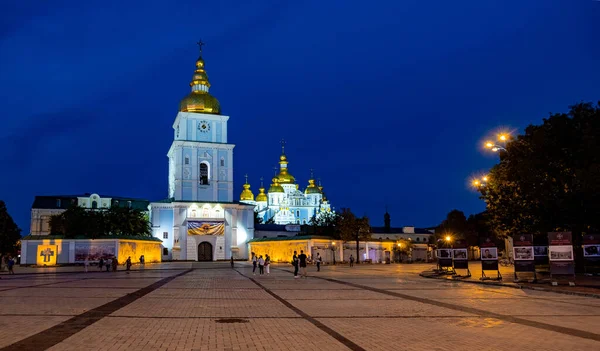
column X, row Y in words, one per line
column 222, row 162
column 203, row 173
column 186, row 160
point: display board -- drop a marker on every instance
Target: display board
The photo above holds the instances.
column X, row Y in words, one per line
column 444, row 257
column 460, row 255
column 591, row 253
column 560, row 253
column 46, row 255
column 489, row 255
column 523, row 250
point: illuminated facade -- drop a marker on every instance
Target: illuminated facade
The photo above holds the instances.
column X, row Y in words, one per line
column 285, row 203
column 199, row 220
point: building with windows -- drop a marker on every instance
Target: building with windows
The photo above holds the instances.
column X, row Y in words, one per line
column 285, row 203
column 199, row 220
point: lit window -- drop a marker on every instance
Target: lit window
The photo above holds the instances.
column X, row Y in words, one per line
column 203, row 174
column 165, row 235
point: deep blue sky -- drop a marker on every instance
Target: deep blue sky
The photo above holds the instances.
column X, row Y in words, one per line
column 386, row 100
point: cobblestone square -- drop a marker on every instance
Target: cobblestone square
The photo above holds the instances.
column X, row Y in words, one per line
column 213, row 307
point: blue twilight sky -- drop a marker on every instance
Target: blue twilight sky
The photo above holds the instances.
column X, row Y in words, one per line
column 386, row 100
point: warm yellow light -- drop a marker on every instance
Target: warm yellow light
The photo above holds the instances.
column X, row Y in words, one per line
column 485, row 178
column 399, row 244
column 489, row 144
column 333, row 243
column 502, row 137
column 476, row 183
column 448, row 238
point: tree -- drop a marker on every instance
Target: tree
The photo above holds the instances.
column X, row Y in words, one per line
column 549, row 178
column 350, row 228
column 10, row 234
column 455, row 225
column 77, row 221
column 257, row 218
column 324, row 223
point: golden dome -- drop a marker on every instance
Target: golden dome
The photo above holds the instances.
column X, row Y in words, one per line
column 275, row 187
column 246, row 194
column 261, row 197
column 199, row 100
column 312, row 188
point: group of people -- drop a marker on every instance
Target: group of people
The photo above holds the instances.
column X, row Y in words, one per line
column 263, row 264
column 112, row 263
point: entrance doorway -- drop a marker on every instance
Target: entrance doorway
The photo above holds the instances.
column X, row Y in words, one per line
column 205, row 251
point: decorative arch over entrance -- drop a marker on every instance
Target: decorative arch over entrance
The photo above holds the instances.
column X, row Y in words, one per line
column 205, row 251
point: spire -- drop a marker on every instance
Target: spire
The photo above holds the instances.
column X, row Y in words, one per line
column 199, row 100
column 387, row 220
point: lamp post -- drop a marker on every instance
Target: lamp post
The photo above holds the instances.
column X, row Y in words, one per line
column 499, row 144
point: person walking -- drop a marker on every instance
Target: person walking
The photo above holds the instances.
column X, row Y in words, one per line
column 101, row 264
column 318, row 262
column 261, row 265
column 268, row 264
column 254, row 263
column 231, row 261
column 108, row 264
column 142, row 262
column 128, row 263
column 295, row 264
column 11, row 264
column 302, row 259
column 351, row 261
column 86, row 263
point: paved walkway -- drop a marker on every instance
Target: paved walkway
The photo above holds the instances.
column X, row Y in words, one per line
column 213, row 307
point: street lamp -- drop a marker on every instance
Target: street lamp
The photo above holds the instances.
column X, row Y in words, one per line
column 502, row 138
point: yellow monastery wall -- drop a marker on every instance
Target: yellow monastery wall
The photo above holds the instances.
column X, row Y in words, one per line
column 279, row 251
column 134, row 249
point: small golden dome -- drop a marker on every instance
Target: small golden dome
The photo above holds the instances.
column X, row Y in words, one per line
column 246, row 194
column 261, row 197
column 312, row 188
column 275, row 187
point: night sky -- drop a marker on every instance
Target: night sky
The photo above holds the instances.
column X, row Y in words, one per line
column 388, row 101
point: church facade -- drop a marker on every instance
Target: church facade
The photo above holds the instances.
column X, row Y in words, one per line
column 285, row 203
column 199, row 220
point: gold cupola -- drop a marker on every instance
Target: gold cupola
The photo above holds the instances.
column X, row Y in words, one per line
column 312, row 187
column 284, row 176
column 261, row 197
column 275, row 186
column 246, row 194
column 320, row 187
column 199, row 100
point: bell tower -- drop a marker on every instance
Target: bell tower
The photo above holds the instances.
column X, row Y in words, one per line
column 200, row 159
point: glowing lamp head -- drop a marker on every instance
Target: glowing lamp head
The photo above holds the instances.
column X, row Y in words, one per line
column 489, row 144
column 476, row 183
column 448, row 238
column 502, row 137
column 485, row 179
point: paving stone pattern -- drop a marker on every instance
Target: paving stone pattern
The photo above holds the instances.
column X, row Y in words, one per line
column 213, row 307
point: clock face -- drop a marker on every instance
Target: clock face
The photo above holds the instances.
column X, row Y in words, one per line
column 204, row 126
